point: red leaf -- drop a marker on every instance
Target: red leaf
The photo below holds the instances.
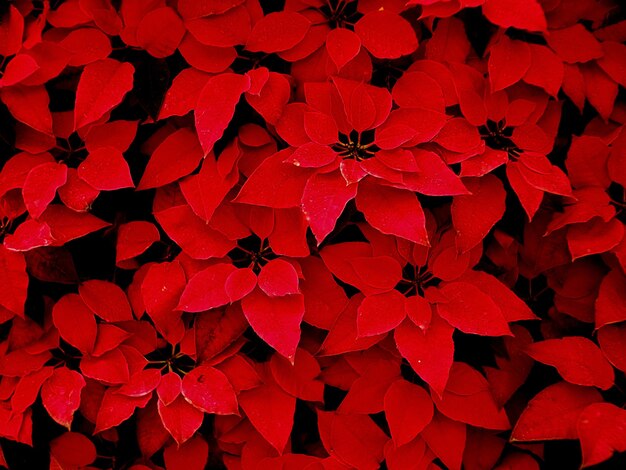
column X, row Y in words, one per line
column 181, row 97
column 29, row 105
column 380, row 313
column 134, row 238
column 27, row 389
column 509, row 61
column 275, row 319
column 192, row 455
column 342, row 46
column 142, row 383
column 574, row 44
column 180, row 419
column 475, row 214
column 60, row 395
column 40, row 186
column 602, row 431
column 393, row 211
column 429, row 352
column 209, row 390
column 553, row 413
column 240, row 283
column 367, row 393
column 106, row 299
column 206, row 289
column 228, row 29
column 513, row 308
column 106, row 169
column 419, row 90
column 468, row 399
column 66, row 224
column 600, row 89
column 160, row 31
column 76, row 193
column 177, row 156
column 192, row 234
column 595, row 236
column 278, row 278
column 73, row 449
column 298, row 379
column 216, row 106
column 75, row 322
column 446, row 438
column 324, row 199
column 278, row 31
column 15, row 281
column 459, row 135
column 386, row 35
column 270, row 410
column 190, row 9
column 17, row 69
column 353, row 438
column 86, row 45
column 11, row 31
column 546, row 69
column 577, row 359
column 28, row 235
column 406, row 422
column 272, row 98
column 612, row 62
column 169, row 388
column 610, row 338
column 275, row 183
column 521, row 14
column 102, row 86
column 471, row 310
column 115, row 409
column 434, row 177
column 151, row 435
column 161, row 290
column 109, row 368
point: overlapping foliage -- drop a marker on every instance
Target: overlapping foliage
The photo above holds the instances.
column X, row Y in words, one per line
column 312, row 234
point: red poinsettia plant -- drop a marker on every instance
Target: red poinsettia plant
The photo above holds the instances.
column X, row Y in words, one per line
column 312, row 234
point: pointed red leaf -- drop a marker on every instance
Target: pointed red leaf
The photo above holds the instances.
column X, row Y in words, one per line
column 76, row 322
column 40, row 186
column 216, row 106
column 429, row 352
column 106, row 169
column 206, row 289
column 270, row 410
column 406, row 422
column 60, row 395
column 278, row 278
column 101, row 87
column 471, row 310
column 181, row 419
column 602, row 431
column 106, row 299
column 553, row 413
column 275, row 319
column 209, row 390
column 386, row 35
column 577, row 359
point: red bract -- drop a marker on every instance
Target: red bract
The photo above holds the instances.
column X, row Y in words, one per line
column 339, row 234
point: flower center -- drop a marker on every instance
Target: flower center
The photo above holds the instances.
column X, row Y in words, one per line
column 415, row 280
column 498, row 136
column 358, row 146
column 252, row 252
column 341, row 13
column 172, row 359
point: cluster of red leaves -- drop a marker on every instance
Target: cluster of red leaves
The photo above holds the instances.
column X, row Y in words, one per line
column 312, row 234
